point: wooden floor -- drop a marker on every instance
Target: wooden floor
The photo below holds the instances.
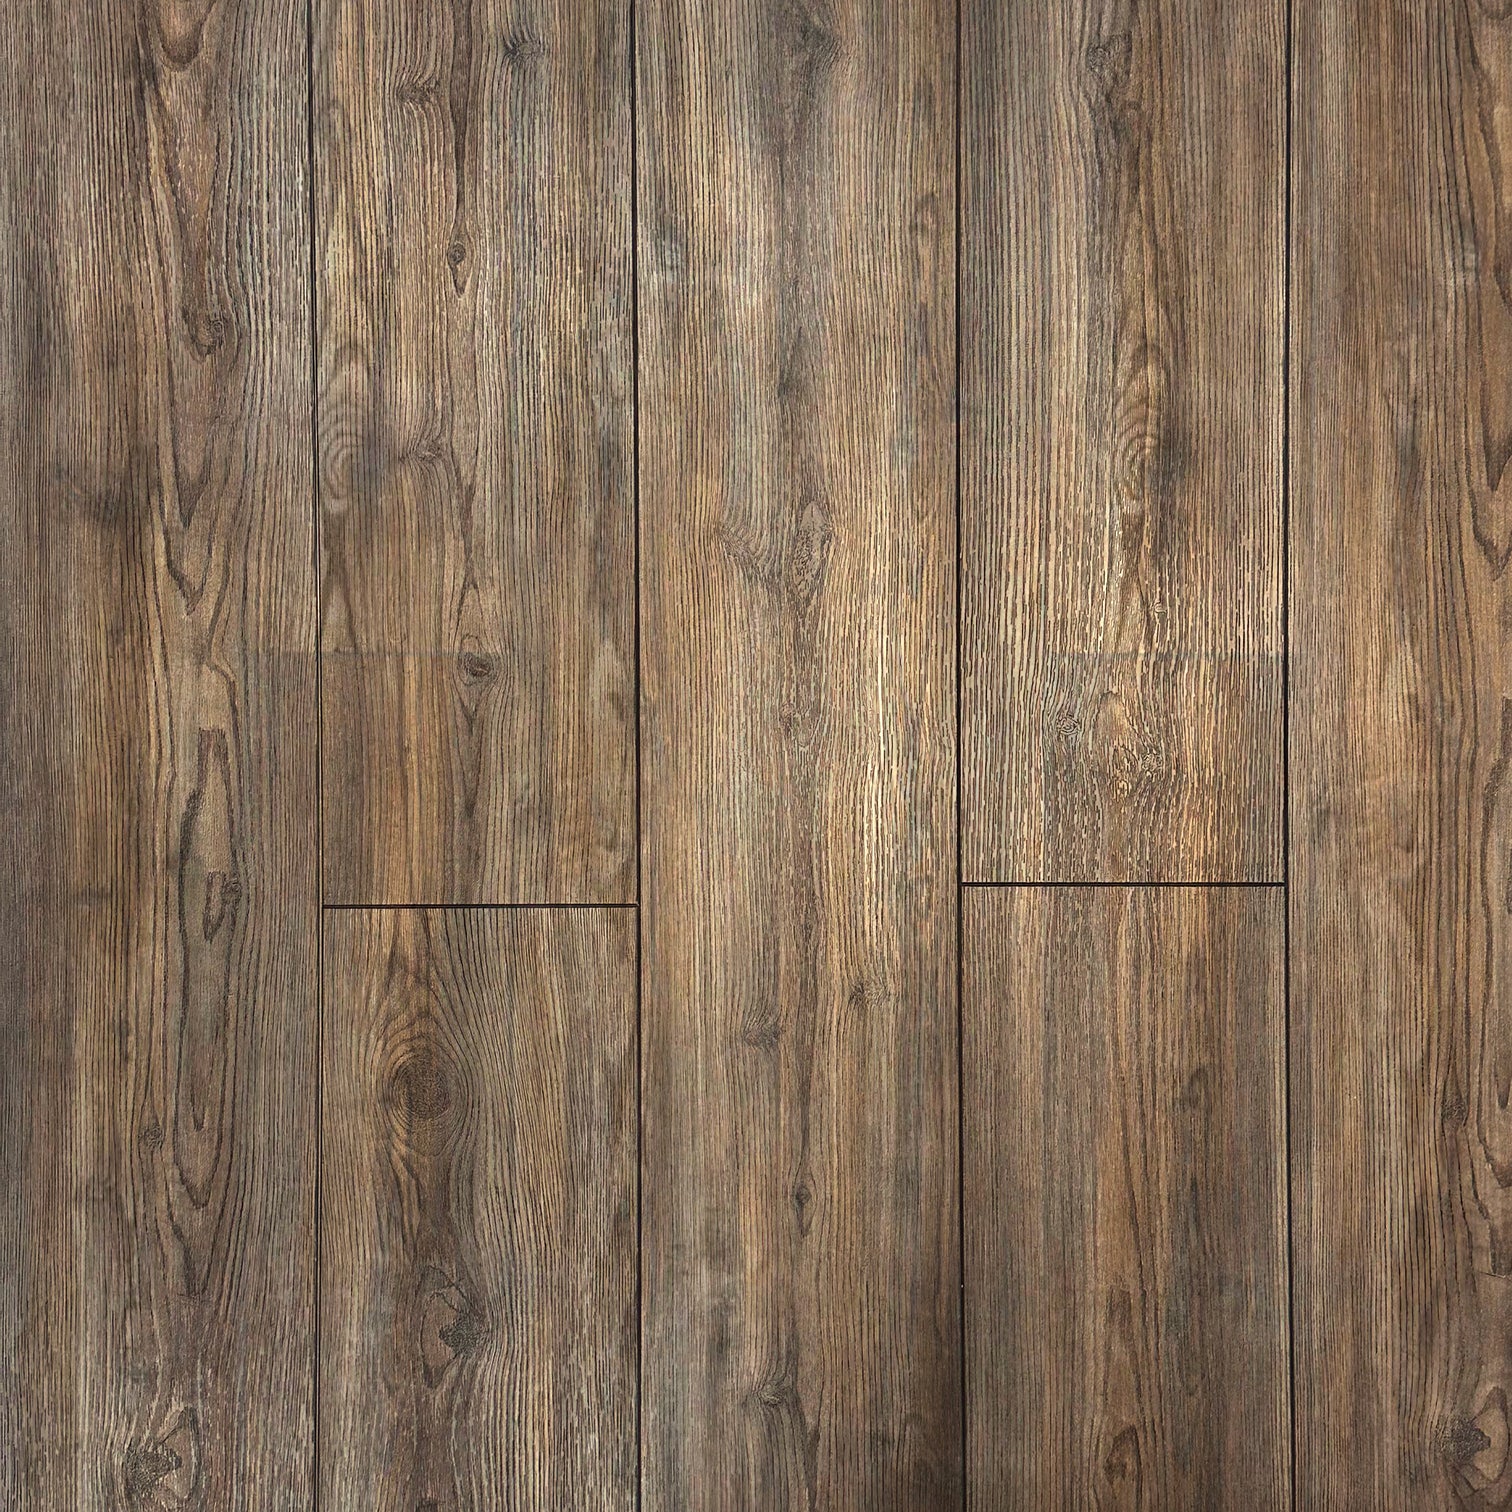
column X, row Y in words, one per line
column 755, row 754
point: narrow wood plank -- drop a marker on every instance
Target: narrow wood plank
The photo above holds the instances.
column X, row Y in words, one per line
column 797, row 480
column 1401, row 742
column 158, row 918
column 1121, row 425
column 478, row 1228
column 1124, row 1162
column 476, row 421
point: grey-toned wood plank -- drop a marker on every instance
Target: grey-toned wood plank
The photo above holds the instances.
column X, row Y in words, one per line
column 797, row 510
column 1125, row 1191
column 158, row 920
column 1401, row 739
column 478, row 582
column 1121, row 434
column 478, row 1240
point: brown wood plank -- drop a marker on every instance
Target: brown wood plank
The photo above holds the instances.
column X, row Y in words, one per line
column 797, row 507
column 157, row 765
column 1124, row 1162
column 478, row 1263
column 1121, row 436
column 1401, row 739
column 478, row 581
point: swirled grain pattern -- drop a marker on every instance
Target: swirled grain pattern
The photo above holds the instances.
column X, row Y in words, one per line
column 1401, row 742
column 158, row 916
column 476, row 464
column 478, row 1256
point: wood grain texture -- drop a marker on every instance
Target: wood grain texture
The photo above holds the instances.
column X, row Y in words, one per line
column 797, row 468
column 1124, row 1163
column 476, row 480
column 478, row 1269
column 1121, row 434
column 157, row 786
column 1401, row 743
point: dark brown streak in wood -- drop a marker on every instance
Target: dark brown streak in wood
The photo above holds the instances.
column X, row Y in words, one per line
column 1486, row 61
column 158, row 988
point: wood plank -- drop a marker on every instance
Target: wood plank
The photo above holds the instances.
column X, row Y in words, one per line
column 797, row 480
column 478, row 1229
column 158, row 915
column 1121, row 436
column 1401, row 739
column 1124, row 1157
column 476, row 424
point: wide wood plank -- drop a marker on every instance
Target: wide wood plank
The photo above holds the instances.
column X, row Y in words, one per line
column 797, row 482
column 478, row 1220
column 1124, row 1159
column 1121, row 427
column 1401, row 743
column 476, row 425
column 158, row 919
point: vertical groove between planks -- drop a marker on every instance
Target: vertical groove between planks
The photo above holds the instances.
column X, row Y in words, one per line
column 1286, row 1010
column 319, row 1119
column 640, row 845
column 960, row 900
column 640, row 894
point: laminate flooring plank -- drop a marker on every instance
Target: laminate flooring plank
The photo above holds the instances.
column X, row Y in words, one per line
column 1125, row 1198
column 158, row 913
column 797, row 509
column 476, row 438
column 1122, row 262
column 1401, row 740
column 478, row 1241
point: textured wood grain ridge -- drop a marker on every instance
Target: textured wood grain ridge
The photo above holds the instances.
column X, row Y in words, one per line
column 1124, row 1161
column 476, row 461
column 1401, row 743
column 1121, row 424
column 797, row 470
column 158, row 915
column 478, row 1210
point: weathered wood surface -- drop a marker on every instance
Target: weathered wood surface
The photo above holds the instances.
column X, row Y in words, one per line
column 1122, row 295
column 478, row 1218
column 158, row 917
column 1401, row 738
column 1125, row 1198
column 798, row 553
column 476, row 447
